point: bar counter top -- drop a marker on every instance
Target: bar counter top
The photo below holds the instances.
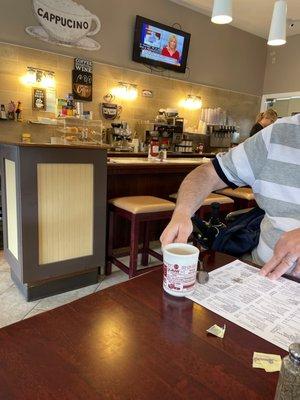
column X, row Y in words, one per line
column 111, row 154
column 146, row 161
column 60, row 146
column 170, row 154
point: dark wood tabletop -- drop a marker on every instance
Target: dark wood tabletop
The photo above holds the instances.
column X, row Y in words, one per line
column 132, row 341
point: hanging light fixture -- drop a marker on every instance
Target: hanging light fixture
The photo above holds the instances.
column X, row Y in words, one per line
column 125, row 91
column 277, row 35
column 191, row 102
column 222, row 12
column 39, row 77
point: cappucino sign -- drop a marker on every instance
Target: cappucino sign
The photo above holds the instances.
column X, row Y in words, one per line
column 65, row 22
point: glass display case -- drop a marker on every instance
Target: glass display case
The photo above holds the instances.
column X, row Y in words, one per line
column 78, row 130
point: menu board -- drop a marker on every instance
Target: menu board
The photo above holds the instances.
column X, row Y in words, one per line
column 39, row 97
column 82, row 80
column 269, row 309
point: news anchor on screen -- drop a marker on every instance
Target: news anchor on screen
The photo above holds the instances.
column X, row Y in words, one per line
column 171, row 49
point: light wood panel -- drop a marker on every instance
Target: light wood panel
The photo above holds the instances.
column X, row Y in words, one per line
column 65, row 211
column 11, row 208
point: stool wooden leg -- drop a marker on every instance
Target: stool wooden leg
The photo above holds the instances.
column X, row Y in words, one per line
column 110, row 243
column 134, row 246
column 145, row 255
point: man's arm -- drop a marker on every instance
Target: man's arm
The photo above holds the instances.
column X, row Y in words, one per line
column 194, row 189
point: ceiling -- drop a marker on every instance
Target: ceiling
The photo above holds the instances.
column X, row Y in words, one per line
column 253, row 16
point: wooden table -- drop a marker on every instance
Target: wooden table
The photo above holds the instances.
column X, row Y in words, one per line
column 132, row 341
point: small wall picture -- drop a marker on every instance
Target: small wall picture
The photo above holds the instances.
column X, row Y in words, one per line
column 82, row 83
column 110, row 110
column 39, row 97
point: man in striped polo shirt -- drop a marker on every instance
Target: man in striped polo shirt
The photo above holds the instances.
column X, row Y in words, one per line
column 269, row 162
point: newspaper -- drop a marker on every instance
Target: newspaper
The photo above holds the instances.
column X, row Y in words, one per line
column 269, row 309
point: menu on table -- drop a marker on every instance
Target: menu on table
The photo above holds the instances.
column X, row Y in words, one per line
column 269, row 309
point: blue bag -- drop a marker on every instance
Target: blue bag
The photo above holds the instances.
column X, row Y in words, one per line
column 240, row 236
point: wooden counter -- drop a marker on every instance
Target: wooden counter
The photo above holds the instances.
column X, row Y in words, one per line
column 130, row 177
column 54, row 216
column 170, row 154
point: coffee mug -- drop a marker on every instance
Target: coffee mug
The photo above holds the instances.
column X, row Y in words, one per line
column 65, row 20
column 180, row 268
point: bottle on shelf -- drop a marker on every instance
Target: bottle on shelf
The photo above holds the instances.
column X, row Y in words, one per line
column 3, row 112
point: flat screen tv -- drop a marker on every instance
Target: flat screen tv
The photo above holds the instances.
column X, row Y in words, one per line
column 160, row 45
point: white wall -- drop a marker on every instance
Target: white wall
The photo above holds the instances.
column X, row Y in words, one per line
column 220, row 56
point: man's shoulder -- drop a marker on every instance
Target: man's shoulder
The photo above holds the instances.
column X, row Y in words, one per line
column 293, row 120
column 286, row 132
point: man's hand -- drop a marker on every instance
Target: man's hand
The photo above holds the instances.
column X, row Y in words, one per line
column 178, row 230
column 286, row 253
column 194, row 189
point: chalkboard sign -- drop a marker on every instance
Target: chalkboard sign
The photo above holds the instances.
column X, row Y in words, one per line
column 83, row 65
column 82, row 85
column 39, row 99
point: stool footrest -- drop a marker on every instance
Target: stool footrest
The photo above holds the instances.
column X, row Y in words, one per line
column 155, row 254
column 125, row 269
column 140, row 211
column 120, row 265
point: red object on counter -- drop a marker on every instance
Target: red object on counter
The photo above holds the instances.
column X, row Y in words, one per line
column 154, row 147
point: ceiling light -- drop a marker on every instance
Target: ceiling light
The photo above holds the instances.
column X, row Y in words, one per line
column 29, row 78
column 125, row 91
column 39, row 77
column 222, row 12
column 277, row 35
column 48, row 81
column 191, row 102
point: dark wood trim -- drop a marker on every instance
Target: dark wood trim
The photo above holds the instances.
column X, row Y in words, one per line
column 11, row 153
column 27, row 269
column 157, row 168
column 145, row 249
column 56, row 286
column 60, row 146
column 29, row 158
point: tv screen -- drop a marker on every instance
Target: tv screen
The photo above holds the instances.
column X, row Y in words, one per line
column 160, row 45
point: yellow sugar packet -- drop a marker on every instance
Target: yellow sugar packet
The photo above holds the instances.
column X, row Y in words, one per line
column 273, row 368
column 216, row 330
column 268, row 362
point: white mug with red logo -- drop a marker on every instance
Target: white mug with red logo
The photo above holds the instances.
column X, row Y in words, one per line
column 180, row 268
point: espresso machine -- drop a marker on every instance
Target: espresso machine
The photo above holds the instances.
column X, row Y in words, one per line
column 119, row 136
column 168, row 128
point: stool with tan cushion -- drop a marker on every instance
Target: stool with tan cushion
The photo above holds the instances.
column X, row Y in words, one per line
column 226, row 204
column 243, row 197
column 139, row 210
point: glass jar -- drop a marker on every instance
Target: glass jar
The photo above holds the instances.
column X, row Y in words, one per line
column 288, row 387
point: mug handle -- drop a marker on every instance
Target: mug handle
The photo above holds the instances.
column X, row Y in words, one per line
column 98, row 26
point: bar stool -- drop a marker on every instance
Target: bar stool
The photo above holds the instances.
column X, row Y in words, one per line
column 243, row 196
column 138, row 210
column 226, row 204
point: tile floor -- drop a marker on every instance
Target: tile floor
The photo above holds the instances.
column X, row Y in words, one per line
column 14, row 308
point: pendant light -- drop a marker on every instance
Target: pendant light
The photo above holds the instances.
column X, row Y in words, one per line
column 277, row 35
column 222, row 12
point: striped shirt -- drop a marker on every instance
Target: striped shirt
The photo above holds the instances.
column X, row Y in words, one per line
column 269, row 162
